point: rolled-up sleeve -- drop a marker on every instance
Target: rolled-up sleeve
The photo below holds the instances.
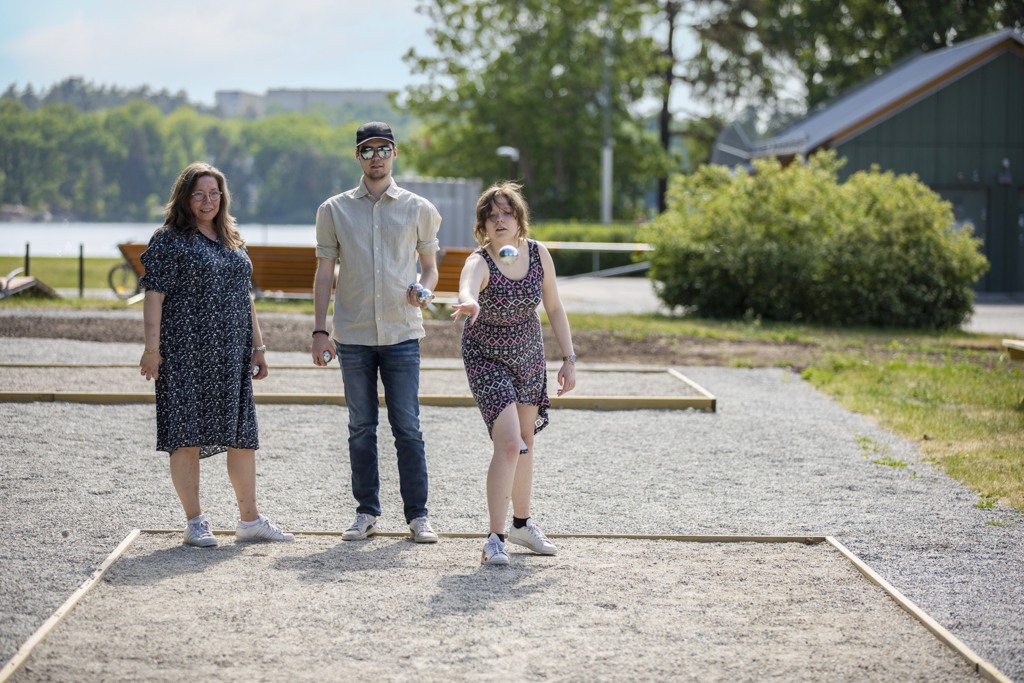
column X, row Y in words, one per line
column 327, row 245
column 426, row 229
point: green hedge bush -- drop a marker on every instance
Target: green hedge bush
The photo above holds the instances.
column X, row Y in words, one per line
column 794, row 244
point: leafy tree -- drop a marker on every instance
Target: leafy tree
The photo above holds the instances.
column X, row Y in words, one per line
column 747, row 49
column 141, row 179
column 22, row 154
column 119, row 164
column 226, row 150
column 531, row 74
column 85, row 96
column 836, row 45
column 298, row 162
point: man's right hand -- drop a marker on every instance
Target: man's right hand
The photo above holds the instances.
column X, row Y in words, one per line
column 322, row 349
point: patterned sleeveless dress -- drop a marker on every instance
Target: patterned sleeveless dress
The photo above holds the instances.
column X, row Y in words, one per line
column 503, row 351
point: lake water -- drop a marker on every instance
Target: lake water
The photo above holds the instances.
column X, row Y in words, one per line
column 101, row 239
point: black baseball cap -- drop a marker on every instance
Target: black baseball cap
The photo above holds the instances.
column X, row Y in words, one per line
column 373, row 130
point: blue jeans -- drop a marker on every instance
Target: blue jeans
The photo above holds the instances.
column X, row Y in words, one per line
column 399, row 368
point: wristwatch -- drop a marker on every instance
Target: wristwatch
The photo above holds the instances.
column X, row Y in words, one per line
column 571, row 358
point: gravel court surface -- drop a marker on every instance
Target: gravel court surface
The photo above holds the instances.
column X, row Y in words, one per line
column 622, row 610
column 776, row 459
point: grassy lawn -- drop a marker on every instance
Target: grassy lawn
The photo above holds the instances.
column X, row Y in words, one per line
column 956, row 395
column 62, row 273
column 962, row 407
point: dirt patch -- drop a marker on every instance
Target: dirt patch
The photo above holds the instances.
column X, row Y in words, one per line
column 287, row 332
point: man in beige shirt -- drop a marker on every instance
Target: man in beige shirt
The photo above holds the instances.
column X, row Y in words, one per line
column 375, row 233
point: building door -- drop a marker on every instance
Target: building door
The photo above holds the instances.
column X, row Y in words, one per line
column 970, row 206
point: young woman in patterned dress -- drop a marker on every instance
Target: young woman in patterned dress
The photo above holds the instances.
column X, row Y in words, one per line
column 204, row 348
column 503, row 352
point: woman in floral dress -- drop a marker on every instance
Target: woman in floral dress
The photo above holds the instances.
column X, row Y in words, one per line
column 203, row 349
column 503, row 352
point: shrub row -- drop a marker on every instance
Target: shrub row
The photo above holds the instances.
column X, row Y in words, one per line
column 795, row 244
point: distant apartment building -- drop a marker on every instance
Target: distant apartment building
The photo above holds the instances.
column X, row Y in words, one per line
column 235, row 103
column 238, row 104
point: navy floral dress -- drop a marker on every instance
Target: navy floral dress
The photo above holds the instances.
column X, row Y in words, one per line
column 204, row 392
column 503, row 350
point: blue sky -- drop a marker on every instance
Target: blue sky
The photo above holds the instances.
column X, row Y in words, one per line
column 249, row 45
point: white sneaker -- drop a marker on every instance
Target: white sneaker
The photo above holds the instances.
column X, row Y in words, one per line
column 264, row 531
column 422, row 531
column 494, row 551
column 530, row 536
column 361, row 528
column 198, row 533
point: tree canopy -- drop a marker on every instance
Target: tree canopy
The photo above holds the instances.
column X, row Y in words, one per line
column 119, row 164
column 536, row 76
column 749, row 49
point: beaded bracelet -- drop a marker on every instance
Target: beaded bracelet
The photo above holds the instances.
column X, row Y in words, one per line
column 149, row 351
column 259, row 348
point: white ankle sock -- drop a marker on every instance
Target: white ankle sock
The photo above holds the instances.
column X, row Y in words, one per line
column 252, row 523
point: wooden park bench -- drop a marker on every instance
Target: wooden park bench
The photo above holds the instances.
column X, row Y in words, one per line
column 449, row 270
column 15, row 283
column 1015, row 347
column 282, row 271
column 277, row 271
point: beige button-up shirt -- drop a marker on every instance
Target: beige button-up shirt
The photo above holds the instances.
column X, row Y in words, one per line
column 376, row 244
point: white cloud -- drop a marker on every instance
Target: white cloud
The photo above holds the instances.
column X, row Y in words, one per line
column 251, row 45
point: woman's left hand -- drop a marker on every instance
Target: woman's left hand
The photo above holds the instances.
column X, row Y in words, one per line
column 566, row 377
column 468, row 308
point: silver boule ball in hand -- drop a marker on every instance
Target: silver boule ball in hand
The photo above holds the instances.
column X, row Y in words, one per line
column 508, row 254
column 424, row 296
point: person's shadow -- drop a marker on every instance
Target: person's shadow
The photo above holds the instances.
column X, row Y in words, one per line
column 165, row 563
column 480, row 589
column 462, row 588
column 328, row 565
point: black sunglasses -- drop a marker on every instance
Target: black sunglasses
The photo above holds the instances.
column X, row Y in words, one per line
column 368, row 153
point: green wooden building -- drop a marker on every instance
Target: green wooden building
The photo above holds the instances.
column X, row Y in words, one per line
column 954, row 117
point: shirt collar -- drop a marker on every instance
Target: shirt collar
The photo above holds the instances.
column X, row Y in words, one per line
column 391, row 191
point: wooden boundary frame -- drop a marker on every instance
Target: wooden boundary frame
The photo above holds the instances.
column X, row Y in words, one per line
column 703, row 400
column 1015, row 347
column 436, row 400
column 25, row 651
column 981, row 667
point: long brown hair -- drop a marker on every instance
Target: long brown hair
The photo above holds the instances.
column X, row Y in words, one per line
column 511, row 192
column 178, row 211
